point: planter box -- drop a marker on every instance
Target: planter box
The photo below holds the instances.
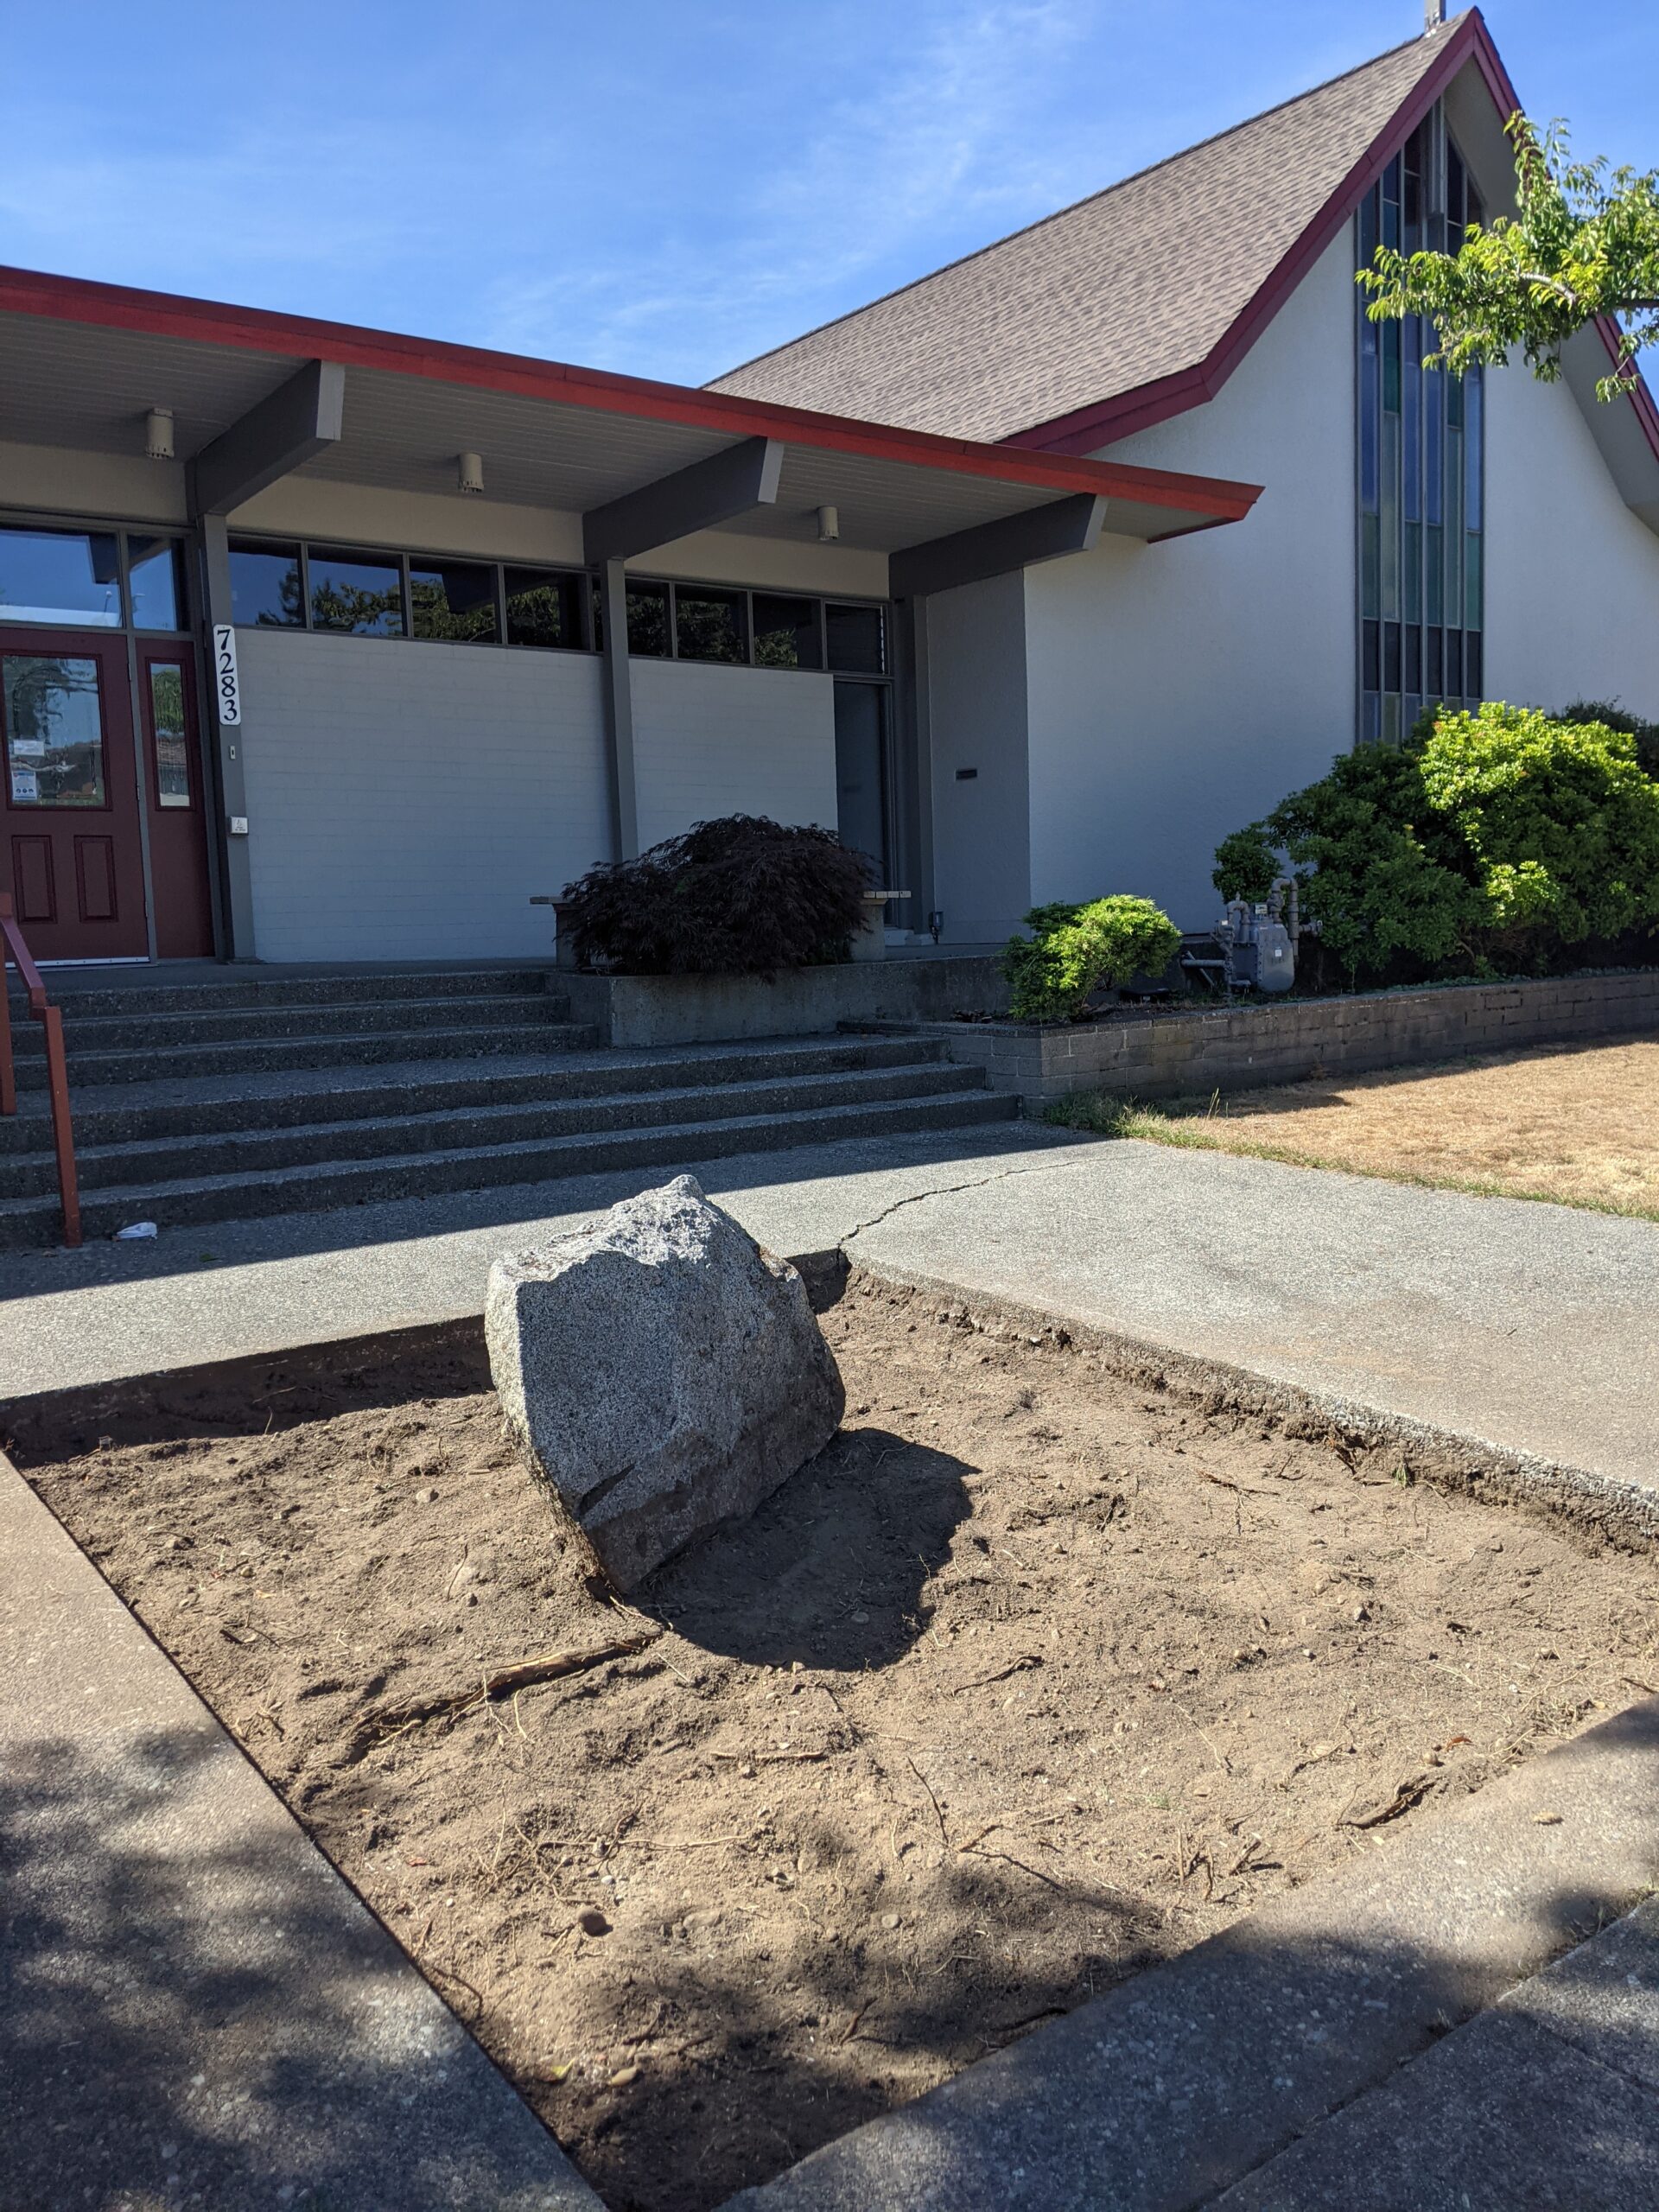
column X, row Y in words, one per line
column 801, row 1003
column 1238, row 1047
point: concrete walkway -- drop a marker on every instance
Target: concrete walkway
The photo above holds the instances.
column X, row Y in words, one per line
column 205, row 2013
column 1529, row 1327
column 1533, row 1329
column 199, row 2012
column 110, row 1311
column 1319, row 2018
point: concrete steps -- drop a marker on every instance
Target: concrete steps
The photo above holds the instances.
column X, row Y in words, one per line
column 192, row 1107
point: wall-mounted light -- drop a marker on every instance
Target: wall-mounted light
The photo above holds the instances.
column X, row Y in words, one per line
column 469, row 471
column 828, row 525
column 158, row 434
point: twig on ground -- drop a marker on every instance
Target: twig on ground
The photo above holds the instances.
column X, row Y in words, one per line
column 1408, row 1794
column 550, row 1666
column 979, row 1852
column 1018, row 1666
column 939, row 1814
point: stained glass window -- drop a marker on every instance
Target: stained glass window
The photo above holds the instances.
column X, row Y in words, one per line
column 1421, row 461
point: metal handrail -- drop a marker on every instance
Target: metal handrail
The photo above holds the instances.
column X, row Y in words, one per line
column 57, row 1075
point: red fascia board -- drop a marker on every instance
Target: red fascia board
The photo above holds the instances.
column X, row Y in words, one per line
column 1146, row 405
column 162, row 315
column 1106, row 421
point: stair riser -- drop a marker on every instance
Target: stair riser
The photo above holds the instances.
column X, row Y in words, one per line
column 549, row 1085
column 266, row 1153
column 447, row 1173
column 87, row 1070
column 404, row 1017
column 256, row 990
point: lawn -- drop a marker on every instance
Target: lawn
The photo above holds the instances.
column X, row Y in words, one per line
column 1578, row 1124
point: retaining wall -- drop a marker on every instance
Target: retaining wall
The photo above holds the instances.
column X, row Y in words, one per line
column 1238, row 1047
column 800, row 1002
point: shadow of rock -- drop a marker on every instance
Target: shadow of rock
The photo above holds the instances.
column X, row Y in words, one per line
column 831, row 1569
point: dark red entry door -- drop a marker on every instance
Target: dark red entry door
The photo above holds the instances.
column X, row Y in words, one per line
column 70, row 854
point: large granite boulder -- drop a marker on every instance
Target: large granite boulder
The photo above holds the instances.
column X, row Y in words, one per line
column 660, row 1372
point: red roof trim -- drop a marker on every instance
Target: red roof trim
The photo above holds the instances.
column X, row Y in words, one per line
column 163, row 314
column 1100, row 424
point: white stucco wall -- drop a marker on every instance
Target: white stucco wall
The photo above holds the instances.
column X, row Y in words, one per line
column 1176, row 691
column 977, row 663
column 405, row 801
column 710, row 741
column 1572, row 575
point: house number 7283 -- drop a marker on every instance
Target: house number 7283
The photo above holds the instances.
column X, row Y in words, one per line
column 226, row 690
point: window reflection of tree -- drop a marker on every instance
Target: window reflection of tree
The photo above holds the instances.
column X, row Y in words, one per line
column 290, row 612
column 434, row 617
column 66, row 761
column 167, row 719
column 337, row 606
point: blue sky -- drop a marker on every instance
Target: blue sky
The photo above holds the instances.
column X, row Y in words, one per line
column 665, row 189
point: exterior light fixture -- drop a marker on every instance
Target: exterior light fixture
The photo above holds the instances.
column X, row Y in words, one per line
column 158, row 434
column 469, row 471
column 828, row 525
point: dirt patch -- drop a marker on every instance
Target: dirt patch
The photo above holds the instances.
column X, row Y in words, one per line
column 1574, row 1123
column 1034, row 1677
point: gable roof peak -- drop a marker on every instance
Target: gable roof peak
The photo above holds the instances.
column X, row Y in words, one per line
column 1130, row 286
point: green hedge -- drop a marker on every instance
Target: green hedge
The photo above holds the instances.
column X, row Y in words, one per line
column 1489, row 841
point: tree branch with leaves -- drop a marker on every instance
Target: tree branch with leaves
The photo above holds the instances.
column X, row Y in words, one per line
column 1584, row 246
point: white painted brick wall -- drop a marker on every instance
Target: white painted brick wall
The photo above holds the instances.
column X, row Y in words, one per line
column 714, row 740
column 405, row 800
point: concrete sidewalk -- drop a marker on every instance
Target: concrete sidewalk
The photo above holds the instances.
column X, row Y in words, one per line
column 199, row 2011
column 1320, row 2018
column 110, row 1311
column 1531, row 1329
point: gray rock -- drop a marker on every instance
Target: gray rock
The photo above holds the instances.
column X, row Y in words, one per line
column 660, row 1372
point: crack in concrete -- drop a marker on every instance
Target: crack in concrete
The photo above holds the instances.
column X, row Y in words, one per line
column 940, row 1191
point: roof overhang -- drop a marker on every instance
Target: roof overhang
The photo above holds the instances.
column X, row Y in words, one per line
column 82, row 362
column 1470, row 70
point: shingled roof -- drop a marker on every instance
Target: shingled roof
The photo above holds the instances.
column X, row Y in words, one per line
column 1141, row 285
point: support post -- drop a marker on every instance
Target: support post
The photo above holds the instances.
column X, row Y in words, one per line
column 213, row 552
column 618, row 711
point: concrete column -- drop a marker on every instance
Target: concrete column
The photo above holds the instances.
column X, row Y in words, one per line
column 214, row 557
column 618, row 711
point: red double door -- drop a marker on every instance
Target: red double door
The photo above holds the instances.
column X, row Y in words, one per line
column 82, row 790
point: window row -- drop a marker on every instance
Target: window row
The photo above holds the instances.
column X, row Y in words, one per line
column 360, row 593
column 92, row 579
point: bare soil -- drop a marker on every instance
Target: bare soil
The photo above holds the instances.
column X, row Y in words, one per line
column 1034, row 1677
column 1574, row 1123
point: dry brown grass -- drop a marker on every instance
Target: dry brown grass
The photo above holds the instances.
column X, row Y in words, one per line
column 1579, row 1124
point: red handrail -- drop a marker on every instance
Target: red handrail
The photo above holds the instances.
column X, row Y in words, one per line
column 57, row 1075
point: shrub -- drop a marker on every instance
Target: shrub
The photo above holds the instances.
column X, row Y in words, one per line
column 1486, row 840
column 1612, row 715
column 1560, row 824
column 1074, row 952
column 741, row 896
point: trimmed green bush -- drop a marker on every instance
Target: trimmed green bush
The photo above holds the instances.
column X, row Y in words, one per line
column 741, row 896
column 1490, row 840
column 1612, row 715
column 1073, row 952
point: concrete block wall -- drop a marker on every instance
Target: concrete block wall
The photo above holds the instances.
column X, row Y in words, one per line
column 1239, row 1048
column 406, row 801
column 710, row 740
